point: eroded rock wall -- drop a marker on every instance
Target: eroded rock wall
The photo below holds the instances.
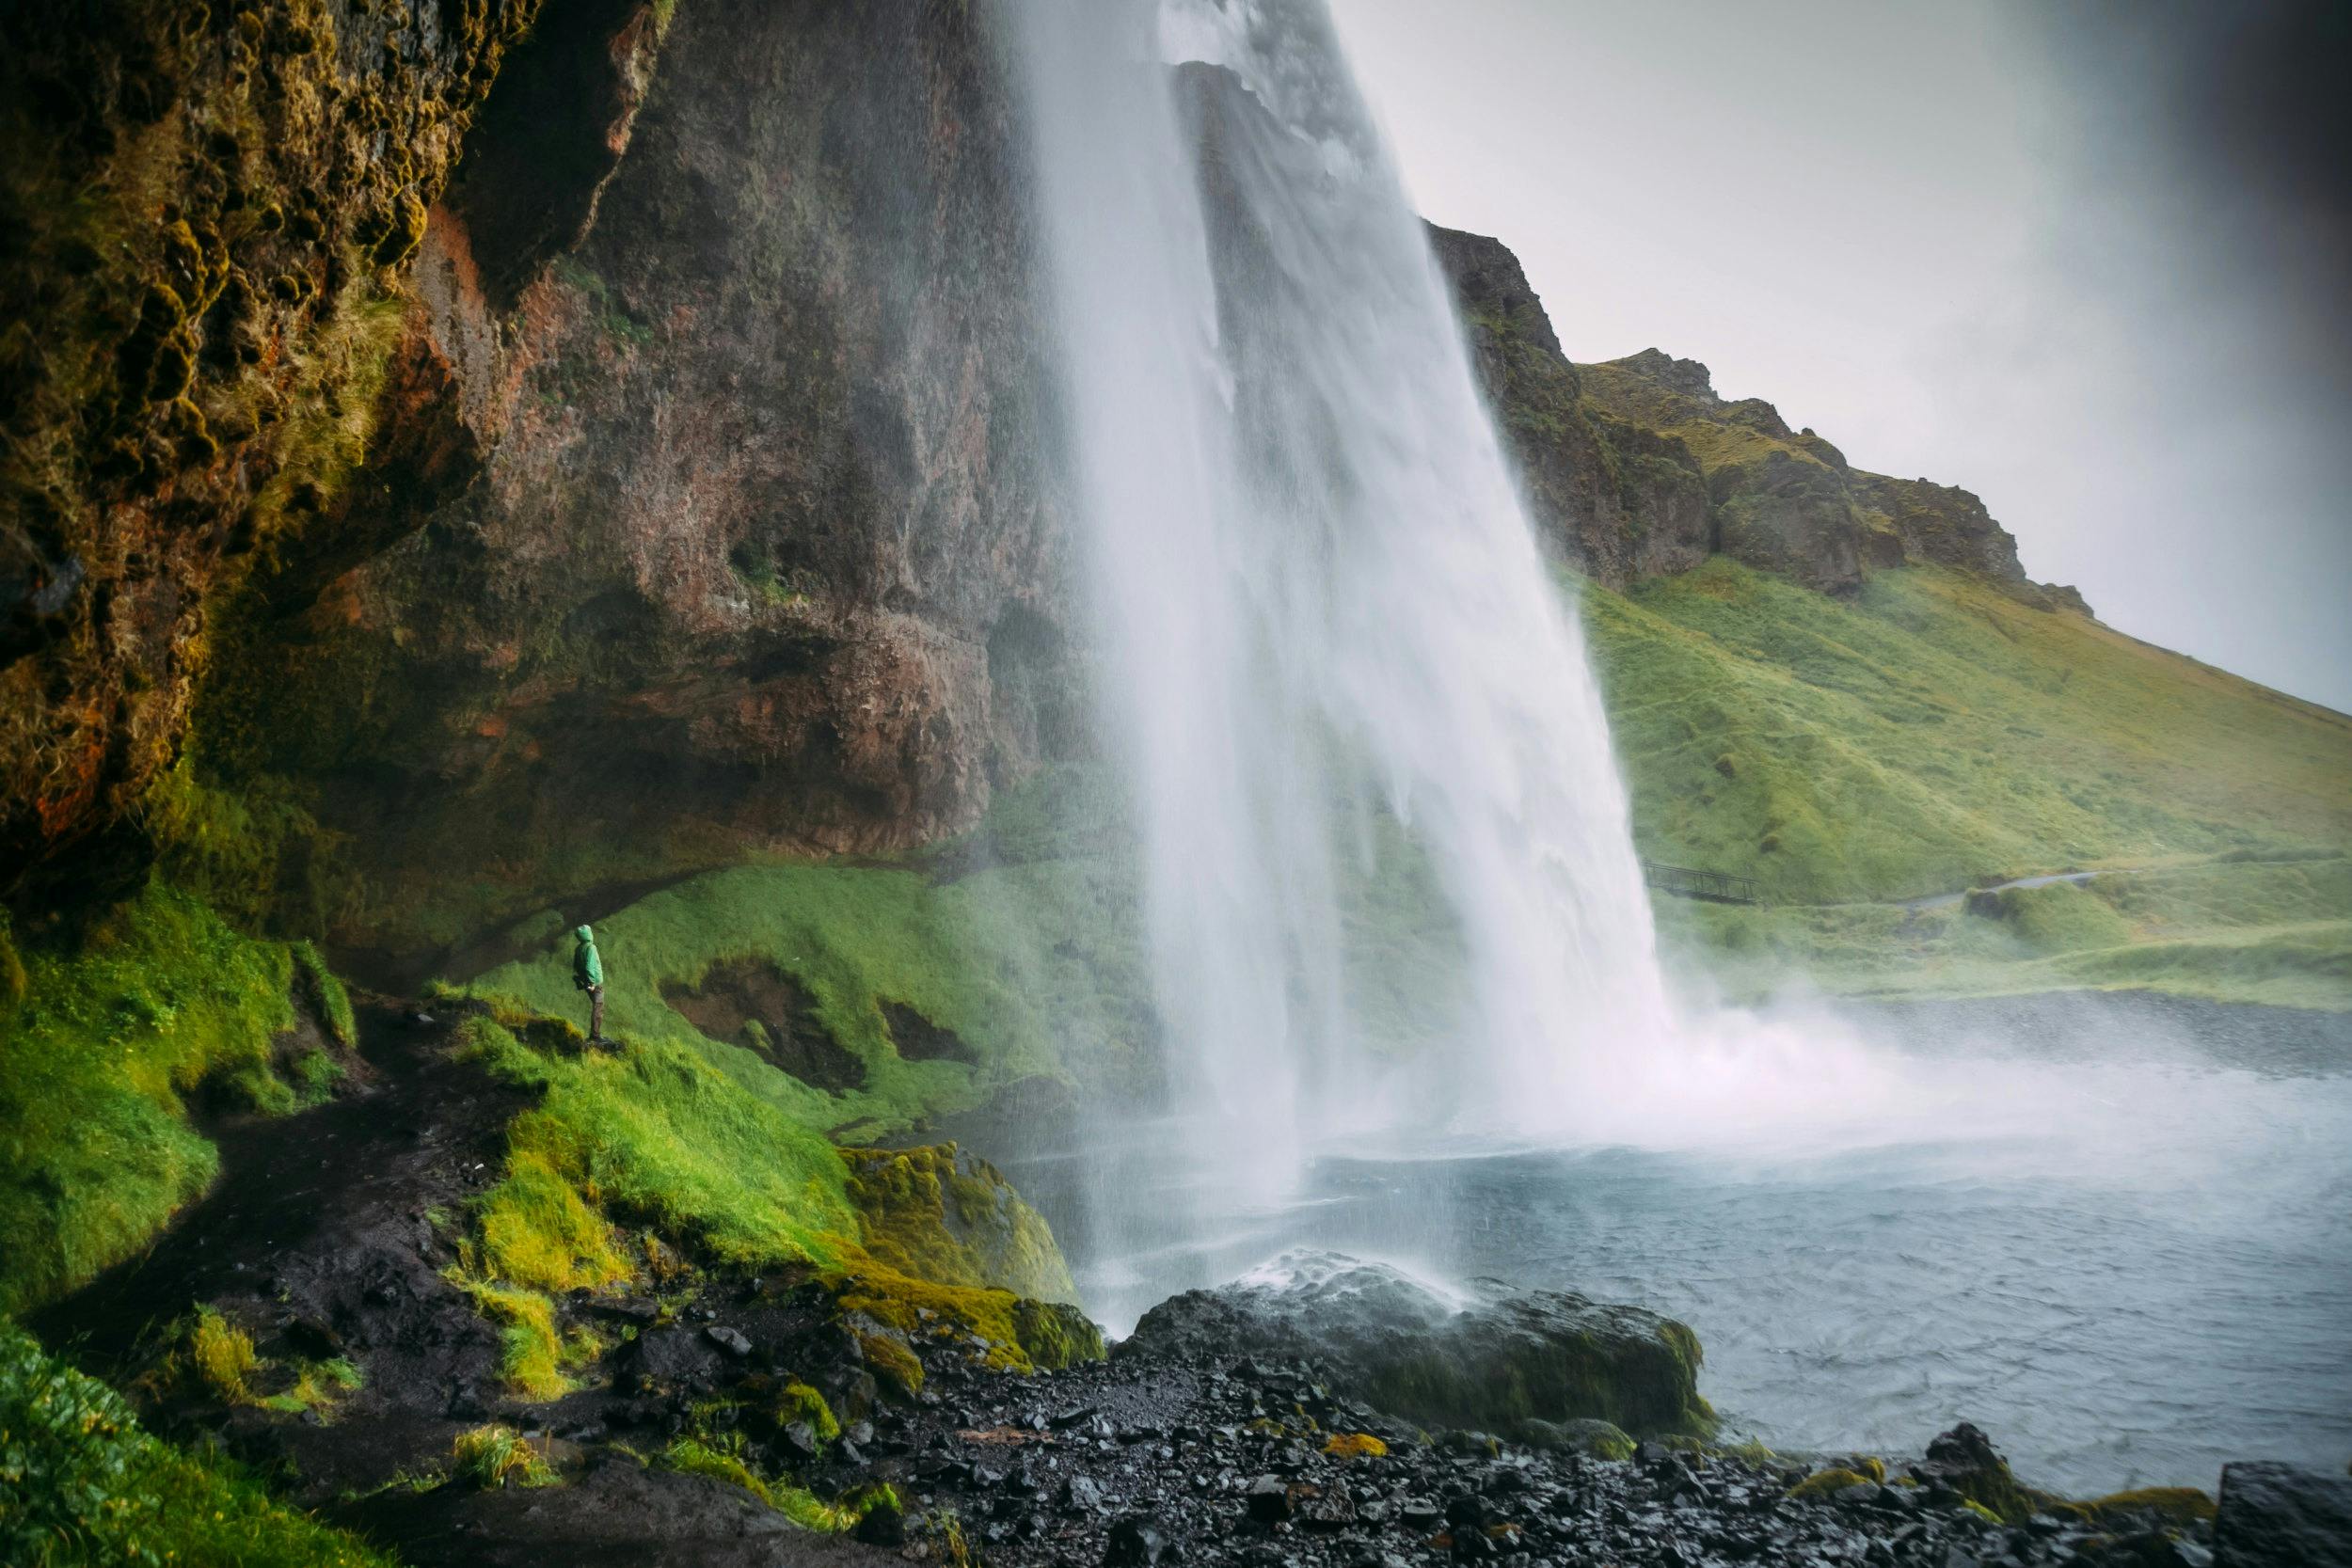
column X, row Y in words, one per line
column 202, row 211
column 757, row 553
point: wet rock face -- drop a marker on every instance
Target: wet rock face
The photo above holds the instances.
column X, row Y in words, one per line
column 207, row 210
column 751, row 1002
column 1502, row 1359
column 942, row 1214
column 2276, row 1516
column 758, row 555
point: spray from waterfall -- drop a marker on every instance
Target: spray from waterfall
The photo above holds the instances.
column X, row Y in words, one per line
column 1390, row 883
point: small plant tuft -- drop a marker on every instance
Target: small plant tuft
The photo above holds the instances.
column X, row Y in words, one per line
column 491, row 1457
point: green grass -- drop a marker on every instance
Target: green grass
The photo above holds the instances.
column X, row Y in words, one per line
column 81, row 1483
column 657, row 1134
column 96, row 1151
column 722, row 1459
column 534, row 1358
column 317, row 1387
column 327, row 995
column 491, row 1457
column 1035, row 966
column 2275, row 934
column 220, row 1355
column 652, row 1133
column 1934, row 734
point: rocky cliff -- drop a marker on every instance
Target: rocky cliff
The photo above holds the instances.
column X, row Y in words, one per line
column 465, row 455
column 1636, row 468
column 203, row 212
column 653, row 471
column 755, row 555
column 1610, row 495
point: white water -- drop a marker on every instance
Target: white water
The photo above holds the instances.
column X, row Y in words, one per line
column 1323, row 614
column 1317, row 585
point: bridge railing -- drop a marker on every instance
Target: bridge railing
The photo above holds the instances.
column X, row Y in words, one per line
column 1723, row 887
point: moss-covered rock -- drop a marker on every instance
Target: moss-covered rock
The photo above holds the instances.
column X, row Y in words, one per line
column 1964, row 1461
column 1492, row 1364
column 1595, row 1439
column 163, row 158
column 1000, row 1330
column 1835, row 1478
column 941, row 1214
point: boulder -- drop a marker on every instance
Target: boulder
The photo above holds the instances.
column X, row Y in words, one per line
column 670, row 1360
column 1499, row 1358
column 2276, row 1516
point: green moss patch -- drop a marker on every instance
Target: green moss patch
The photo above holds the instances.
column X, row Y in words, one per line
column 1012, row 1332
column 96, row 1063
column 1033, row 969
column 657, row 1133
column 940, row 1214
column 81, row 1483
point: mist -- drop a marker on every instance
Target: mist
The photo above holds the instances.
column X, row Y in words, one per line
column 2087, row 261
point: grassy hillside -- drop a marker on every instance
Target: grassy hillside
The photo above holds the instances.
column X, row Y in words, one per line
column 1934, row 734
column 916, row 992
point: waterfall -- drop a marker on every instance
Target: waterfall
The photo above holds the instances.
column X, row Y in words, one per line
column 1333, row 657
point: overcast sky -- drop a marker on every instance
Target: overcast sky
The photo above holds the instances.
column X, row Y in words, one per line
column 2088, row 259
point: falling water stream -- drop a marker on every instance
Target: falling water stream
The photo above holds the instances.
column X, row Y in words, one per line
column 1392, row 901
column 1317, row 587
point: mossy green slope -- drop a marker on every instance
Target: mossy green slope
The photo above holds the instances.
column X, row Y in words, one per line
column 81, row 1482
column 1934, row 732
column 111, row 1033
column 1032, row 967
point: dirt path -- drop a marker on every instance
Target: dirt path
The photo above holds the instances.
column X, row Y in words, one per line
column 1945, row 900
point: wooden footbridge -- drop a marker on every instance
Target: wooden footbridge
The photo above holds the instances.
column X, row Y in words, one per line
column 1715, row 887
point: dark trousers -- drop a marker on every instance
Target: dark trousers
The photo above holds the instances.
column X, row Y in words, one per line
column 595, row 1012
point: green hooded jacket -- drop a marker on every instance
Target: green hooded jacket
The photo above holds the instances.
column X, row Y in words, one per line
column 587, row 969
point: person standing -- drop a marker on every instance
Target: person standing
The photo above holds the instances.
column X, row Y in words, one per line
column 588, row 975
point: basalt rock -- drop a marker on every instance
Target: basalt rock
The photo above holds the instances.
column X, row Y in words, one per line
column 2283, row 1516
column 1636, row 468
column 1500, row 1359
column 1618, row 502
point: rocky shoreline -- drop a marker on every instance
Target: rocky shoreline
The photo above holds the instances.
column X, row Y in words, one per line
column 1337, row 1415
column 1154, row 1459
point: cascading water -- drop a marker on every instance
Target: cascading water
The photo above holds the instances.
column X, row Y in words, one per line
column 1390, row 888
column 1324, row 614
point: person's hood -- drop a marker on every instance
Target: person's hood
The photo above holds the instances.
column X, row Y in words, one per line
column 582, row 933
